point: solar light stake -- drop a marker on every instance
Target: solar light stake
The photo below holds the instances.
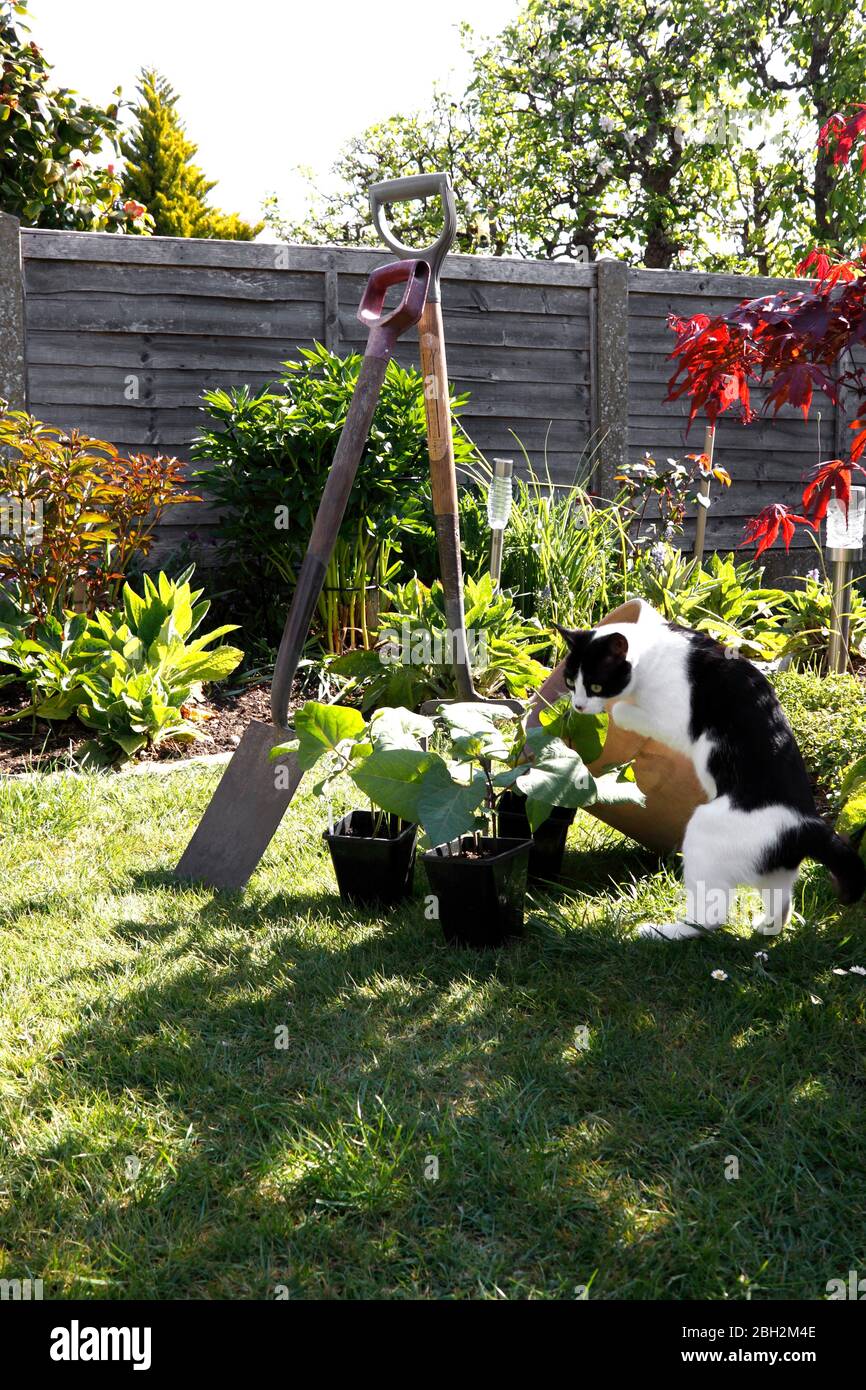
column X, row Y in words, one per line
column 498, row 512
column 844, row 543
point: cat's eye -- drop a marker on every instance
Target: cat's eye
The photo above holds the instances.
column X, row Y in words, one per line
column 596, row 689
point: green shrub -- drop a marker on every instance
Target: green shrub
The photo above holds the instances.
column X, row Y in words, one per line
column 412, row 661
column 809, row 619
column 725, row 598
column 80, row 513
column 125, row 674
column 270, row 453
column 828, row 716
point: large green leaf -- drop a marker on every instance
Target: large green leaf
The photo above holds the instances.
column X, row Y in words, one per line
column 321, row 728
column 392, row 778
column 611, row 791
column 447, row 808
column 399, row 728
column 474, row 716
column 557, row 777
column 585, row 733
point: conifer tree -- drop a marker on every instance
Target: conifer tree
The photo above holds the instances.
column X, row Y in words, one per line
column 161, row 174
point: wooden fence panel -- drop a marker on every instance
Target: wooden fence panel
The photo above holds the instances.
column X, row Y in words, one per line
column 122, row 335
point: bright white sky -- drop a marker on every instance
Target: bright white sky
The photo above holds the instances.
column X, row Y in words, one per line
column 266, row 86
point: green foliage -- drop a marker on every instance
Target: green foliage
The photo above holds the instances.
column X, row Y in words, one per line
column 48, row 139
column 828, row 716
column 565, row 551
column 452, row 789
column 268, row 457
column 809, row 619
column 125, row 674
column 159, row 171
column 727, row 599
column 668, row 136
column 852, row 795
column 412, row 661
column 80, row 513
column 724, row 598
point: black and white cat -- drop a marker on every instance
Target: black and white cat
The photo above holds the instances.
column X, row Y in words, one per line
column 687, row 691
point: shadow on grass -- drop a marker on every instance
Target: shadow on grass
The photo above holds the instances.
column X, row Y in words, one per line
column 305, row 1077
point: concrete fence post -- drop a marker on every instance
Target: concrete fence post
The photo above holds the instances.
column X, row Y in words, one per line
column 13, row 361
column 611, row 359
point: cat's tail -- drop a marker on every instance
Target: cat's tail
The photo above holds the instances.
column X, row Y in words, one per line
column 817, row 841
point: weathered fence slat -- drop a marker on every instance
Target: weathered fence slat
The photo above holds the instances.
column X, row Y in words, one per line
column 120, row 335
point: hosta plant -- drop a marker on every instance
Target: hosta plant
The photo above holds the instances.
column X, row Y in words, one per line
column 413, row 659
column 724, row 598
column 127, row 674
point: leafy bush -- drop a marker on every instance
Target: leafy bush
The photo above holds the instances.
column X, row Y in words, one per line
column 48, row 176
column 412, row 660
column 453, row 788
column 828, row 716
column 565, row 554
column 126, row 674
column 79, row 513
column 852, row 796
column 270, row 453
column 809, row 618
column 725, row 598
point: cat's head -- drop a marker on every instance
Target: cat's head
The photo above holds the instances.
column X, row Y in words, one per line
column 597, row 668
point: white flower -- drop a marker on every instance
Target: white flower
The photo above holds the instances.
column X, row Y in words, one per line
column 858, row 969
column 604, row 167
column 607, row 123
column 815, row 999
column 761, row 955
column 719, row 975
column 839, row 971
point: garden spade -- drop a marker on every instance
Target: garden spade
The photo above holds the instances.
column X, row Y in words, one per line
column 434, row 369
column 254, row 791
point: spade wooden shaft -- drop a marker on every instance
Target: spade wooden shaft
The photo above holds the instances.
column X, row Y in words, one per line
column 443, row 483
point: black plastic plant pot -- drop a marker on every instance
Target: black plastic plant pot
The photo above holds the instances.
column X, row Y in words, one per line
column 548, row 841
column 480, row 890
column 370, row 868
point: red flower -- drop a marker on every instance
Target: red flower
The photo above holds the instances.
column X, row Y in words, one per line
column 764, row 528
column 134, row 209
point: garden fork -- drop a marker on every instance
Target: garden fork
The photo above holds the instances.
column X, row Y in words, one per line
column 440, row 442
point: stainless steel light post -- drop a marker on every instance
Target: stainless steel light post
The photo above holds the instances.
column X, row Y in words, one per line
column 844, row 543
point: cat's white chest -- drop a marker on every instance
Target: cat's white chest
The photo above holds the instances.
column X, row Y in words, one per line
column 659, row 706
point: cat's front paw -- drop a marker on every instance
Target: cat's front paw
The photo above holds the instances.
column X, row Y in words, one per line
column 666, row 931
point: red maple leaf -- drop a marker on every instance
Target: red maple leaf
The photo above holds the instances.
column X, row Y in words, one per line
column 830, row 479
column 827, row 271
column 840, row 134
column 763, row 530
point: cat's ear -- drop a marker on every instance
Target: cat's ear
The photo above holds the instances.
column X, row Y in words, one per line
column 617, row 646
column 573, row 635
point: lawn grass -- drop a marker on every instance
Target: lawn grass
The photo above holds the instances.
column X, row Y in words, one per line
column 155, row 1142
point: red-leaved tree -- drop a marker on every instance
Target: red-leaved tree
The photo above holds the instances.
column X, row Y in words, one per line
column 794, row 343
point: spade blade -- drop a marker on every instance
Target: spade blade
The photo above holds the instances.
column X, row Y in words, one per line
column 244, row 811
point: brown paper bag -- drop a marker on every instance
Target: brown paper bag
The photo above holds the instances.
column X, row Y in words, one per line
column 667, row 779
